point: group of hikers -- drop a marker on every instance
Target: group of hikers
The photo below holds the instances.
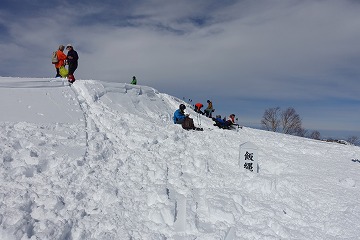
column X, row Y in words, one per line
column 208, row 111
column 180, row 117
column 60, row 60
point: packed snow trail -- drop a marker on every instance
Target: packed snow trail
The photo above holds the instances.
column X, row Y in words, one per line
column 128, row 126
column 119, row 168
column 114, row 133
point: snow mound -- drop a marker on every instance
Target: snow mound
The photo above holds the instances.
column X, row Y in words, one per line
column 103, row 160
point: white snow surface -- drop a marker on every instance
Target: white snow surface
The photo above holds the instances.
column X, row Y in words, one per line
column 103, row 160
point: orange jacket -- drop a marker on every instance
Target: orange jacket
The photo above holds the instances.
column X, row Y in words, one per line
column 61, row 57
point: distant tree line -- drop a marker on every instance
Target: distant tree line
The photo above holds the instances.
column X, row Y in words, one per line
column 289, row 122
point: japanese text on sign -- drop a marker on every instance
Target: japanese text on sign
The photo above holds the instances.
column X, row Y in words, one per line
column 248, row 158
column 249, row 165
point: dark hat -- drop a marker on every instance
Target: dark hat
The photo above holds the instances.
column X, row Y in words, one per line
column 182, row 107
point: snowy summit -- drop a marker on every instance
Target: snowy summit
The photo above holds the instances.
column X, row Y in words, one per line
column 104, row 160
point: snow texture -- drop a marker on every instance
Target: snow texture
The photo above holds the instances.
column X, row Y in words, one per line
column 103, row 160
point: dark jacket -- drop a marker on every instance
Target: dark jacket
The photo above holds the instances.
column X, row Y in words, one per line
column 72, row 53
column 73, row 61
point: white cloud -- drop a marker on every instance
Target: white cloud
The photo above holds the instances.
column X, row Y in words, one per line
column 276, row 50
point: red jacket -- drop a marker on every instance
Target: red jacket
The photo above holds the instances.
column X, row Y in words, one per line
column 232, row 118
column 61, row 57
column 199, row 105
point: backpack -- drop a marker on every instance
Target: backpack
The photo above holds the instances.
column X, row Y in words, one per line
column 188, row 123
column 63, row 71
column 54, row 58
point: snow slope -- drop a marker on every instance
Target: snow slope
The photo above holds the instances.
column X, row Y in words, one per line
column 102, row 160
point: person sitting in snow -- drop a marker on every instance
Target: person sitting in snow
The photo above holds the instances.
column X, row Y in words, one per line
column 209, row 110
column 219, row 121
column 223, row 123
column 181, row 118
column 179, row 115
column 230, row 121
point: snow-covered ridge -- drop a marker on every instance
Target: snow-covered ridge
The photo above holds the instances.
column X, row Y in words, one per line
column 102, row 160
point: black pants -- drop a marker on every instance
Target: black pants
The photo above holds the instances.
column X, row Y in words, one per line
column 198, row 110
column 72, row 68
column 57, row 73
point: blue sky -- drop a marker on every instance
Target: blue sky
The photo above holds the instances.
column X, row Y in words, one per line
column 245, row 56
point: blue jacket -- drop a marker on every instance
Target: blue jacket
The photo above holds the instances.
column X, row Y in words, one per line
column 178, row 114
column 219, row 120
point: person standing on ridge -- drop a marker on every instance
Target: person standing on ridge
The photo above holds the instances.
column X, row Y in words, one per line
column 134, row 81
column 72, row 59
column 61, row 59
